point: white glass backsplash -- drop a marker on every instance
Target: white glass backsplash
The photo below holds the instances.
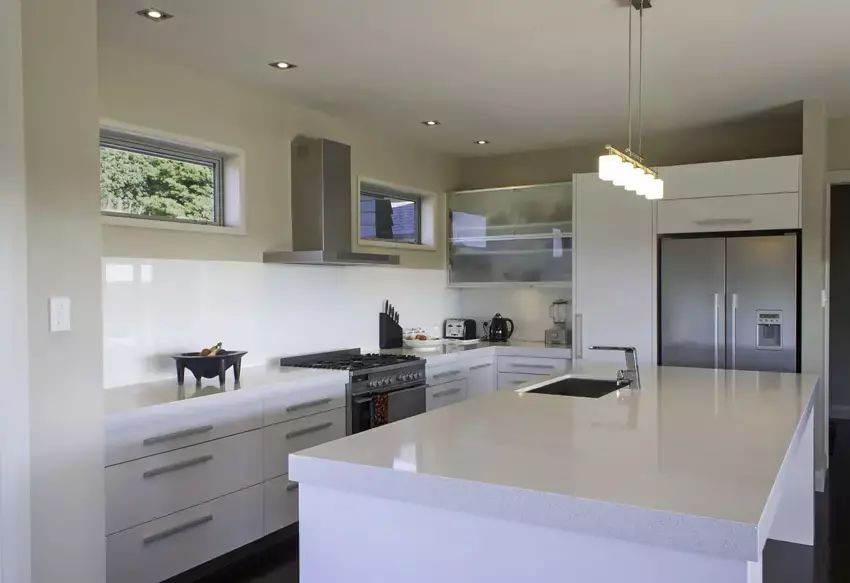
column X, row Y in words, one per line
column 527, row 307
column 154, row 308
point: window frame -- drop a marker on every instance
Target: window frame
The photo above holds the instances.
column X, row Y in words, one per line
column 171, row 150
column 378, row 188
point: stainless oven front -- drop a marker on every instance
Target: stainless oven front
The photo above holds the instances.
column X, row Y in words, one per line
column 381, row 406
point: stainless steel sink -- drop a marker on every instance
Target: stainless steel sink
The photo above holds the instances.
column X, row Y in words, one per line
column 579, row 387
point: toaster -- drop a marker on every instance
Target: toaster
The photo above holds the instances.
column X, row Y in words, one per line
column 460, row 329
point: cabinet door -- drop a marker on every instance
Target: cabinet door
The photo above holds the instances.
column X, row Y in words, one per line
column 509, row 381
column 437, row 396
column 481, row 379
column 614, row 249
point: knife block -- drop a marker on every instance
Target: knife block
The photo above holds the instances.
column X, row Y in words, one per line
column 389, row 332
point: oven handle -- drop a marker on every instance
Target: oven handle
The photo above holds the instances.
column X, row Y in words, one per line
column 369, row 394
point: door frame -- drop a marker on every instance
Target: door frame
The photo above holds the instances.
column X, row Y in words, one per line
column 834, row 178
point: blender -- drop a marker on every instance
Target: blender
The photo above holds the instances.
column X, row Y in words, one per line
column 558, row 335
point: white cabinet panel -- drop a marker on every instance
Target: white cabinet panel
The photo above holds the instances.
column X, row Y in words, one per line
column 285, row 438
column 533, row 365
column 296, row 404
column 481, row 378
column 280, row 504
column 163, row 548
column 445, row 394
column 510, row 381
column 156, row 486
column 760, row 176
column 754, row 212
column 153, row 431
column 614, row 250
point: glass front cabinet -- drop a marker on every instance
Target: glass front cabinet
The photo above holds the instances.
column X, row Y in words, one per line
column 511, row 236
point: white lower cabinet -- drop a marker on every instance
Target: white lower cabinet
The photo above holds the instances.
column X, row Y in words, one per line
column 481, row 378
column 512, row 380
column 159, row 485
column 533, row 365
column 157, row 550
column 445, row 394
column 285, row 438
column 280, row 504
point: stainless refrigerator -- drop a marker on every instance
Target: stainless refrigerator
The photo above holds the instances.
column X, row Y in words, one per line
column 729, row 302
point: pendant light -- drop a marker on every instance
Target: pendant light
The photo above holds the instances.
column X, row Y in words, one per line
column 627, row 169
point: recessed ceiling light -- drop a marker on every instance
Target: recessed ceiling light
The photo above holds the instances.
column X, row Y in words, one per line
column 282, row 65
column 482, row 142
column 154, row 14
column 431, row 122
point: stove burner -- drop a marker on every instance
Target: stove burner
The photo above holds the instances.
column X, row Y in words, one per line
column 354, row 361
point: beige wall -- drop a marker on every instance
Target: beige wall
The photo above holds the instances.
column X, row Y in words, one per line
column 778, row 135
column 838, row 154
column 200, row 106
column 813, row 196
column 14, row 390
column 64, row 250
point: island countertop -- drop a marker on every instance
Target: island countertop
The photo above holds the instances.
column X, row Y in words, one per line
column 689, row 461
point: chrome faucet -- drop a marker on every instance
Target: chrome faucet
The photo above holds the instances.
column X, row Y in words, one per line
column 630, row 374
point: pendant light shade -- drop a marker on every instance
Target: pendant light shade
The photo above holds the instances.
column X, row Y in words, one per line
column 635, row 179
column 610, row 166
column 655, row 190
column 624, row 174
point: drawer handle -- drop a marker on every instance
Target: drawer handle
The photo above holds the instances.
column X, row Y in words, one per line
column 177, row 434
column 447, row 392
column 307, row 405
column 307, row 430
column 479, row 366
column 292, row 486
column 177, row 529
column 450, row 373
column 178, row 466
column 536, row 366
column 715, row 222
column 519, row 382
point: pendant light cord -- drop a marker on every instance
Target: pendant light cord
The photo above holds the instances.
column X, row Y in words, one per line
column 640, row 86
column 630, row 79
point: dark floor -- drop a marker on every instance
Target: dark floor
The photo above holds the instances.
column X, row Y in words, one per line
column 827, row 562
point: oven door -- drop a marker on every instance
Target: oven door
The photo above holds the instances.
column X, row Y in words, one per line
column 376, row 409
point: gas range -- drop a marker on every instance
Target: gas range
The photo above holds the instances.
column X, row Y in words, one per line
column 367, row 372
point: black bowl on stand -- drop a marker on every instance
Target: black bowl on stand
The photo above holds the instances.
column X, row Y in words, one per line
column 209, row 367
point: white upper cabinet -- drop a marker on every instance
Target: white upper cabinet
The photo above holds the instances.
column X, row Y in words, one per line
column 612, row 291
column 759, row 176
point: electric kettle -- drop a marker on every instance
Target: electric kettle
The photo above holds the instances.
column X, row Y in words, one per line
column 500, row 329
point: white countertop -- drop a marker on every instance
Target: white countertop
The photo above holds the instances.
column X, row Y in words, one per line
column 129, row 398
column 694, row 450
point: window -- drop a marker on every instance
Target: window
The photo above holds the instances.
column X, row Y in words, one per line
column 154, row 179
column 390, row 214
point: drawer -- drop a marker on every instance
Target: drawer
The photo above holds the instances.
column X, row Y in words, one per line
column 444, row 394
column 753, row 212
column 533, row 365
column 180, row 424
column 446, row 373
column 156, row 486
column 280, row 504
column 163, row 548
column 287, row 406
column 511, row 381
column 285, row 438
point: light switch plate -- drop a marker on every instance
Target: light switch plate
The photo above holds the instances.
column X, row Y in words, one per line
column 60, row 314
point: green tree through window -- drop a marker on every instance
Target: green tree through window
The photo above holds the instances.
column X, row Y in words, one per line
column 135, row 183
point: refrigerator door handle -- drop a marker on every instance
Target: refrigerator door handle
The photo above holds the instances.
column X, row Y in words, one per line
column 734, row 331
column 716, row 330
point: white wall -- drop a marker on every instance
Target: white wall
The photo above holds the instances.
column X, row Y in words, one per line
column 153, row 308
column 528, row 307
column 64, row 250
column 14, row 391
column 199, row 106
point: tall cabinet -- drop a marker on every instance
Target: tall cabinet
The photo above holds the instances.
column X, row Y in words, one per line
column 614, row 257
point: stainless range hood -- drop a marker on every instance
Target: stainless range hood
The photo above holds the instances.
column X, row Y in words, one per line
column 321, row 208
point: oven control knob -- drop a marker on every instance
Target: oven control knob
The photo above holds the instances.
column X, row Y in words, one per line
column 372, row 384
column 386, row 381
column 419, row 375
column 403, row 377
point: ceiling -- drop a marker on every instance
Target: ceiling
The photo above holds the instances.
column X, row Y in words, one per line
column 523, row 75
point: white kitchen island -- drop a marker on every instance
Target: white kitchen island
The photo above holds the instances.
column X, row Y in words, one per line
column 683, row 480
